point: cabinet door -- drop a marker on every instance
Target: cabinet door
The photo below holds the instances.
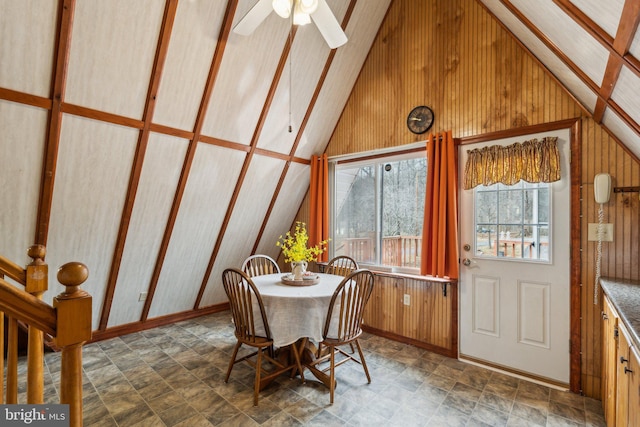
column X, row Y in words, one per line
column 609, row 365
column 622, row 378
column 634, row 387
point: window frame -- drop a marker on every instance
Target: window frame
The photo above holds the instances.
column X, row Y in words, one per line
column 378, row 158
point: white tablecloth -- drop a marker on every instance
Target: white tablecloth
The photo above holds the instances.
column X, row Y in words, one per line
column 295, row 312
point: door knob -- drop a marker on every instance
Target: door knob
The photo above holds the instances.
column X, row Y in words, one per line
column 466, row 262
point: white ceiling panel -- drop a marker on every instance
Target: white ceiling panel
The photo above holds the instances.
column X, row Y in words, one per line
column 24, row 130
column 251, row 206
column 294, row 188
column 635, row 45
column 624, row 133
column 94, row 164
column 295, row 90
column 626, row 93
column 112, row 53
column 246, row 73
column 157, row 187
column 193, row 41
column 202, row 210
column 297, row 85
column 27, row 42
column 582, row 49
column 342, row 76
column 604, row 13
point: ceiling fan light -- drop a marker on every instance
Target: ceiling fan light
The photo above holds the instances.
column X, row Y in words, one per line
column 282, row 7
column 307, row 6
column 299, row 17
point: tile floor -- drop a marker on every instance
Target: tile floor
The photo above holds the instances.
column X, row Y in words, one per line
column 173, row 376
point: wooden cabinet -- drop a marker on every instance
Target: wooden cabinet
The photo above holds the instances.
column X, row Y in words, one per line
column 634, row 386
column 620, row 371
column 628, row 395
column 609, row 355
column 622, row 380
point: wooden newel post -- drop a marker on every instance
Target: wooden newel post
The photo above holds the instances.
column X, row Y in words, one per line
column 36, row 284
column 73, row 329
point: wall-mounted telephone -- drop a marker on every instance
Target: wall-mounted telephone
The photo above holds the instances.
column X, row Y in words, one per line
column 601, row 192
column 602, row 187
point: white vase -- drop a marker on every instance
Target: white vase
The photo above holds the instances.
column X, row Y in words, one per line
column 298, row 268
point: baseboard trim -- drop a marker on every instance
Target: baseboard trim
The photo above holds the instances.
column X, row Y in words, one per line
column 395, row 337
column 549, row 382
column 129, row 328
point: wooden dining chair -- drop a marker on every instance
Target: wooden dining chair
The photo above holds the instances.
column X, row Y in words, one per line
column 343, row 325
column 342, row 265
column 252, row 329
column 258, row 265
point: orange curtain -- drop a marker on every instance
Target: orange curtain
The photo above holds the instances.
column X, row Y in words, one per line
column 440, row 228
column 319, row 203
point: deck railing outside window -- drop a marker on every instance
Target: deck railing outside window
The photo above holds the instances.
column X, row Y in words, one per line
column 397, row 251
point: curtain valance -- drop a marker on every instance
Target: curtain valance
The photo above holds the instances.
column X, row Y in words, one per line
column 532, row 161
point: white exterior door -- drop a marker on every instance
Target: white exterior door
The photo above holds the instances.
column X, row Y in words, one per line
column 514, row 291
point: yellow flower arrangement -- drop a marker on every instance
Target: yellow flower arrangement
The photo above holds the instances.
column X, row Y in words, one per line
column 294, row 248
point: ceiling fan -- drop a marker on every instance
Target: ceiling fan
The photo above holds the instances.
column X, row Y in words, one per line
column 303, row 12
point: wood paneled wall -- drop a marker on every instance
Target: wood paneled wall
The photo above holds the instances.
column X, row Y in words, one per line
column 455, row 57
column 427, row 321
column 620, row 258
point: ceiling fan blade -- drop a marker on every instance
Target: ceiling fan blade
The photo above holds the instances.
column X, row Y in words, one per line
column 328, row 25
column 253, row 18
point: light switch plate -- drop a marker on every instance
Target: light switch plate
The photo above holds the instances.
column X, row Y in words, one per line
column 607, row 232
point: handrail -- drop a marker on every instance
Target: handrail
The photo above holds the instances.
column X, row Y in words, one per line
column 13, row 270
column 68, row 321
column 27, row 308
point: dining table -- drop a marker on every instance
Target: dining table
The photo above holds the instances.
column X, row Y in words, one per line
column 296, row 313
column 296, row 310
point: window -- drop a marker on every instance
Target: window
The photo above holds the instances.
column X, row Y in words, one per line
column 378, row 210
column 512, row 221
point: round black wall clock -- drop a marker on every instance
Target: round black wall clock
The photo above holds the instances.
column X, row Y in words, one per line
column 420, row 119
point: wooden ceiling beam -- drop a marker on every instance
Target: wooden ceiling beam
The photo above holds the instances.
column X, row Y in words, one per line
column 618, row 47
column 601, row 102
column 66, row 10
column 168, row 19
column 25, row 98
column 216, row 61
column 627, row 28
column 102, row 116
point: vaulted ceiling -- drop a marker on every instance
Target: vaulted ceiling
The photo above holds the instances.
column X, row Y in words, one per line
column 592, row 47
column 149, row 141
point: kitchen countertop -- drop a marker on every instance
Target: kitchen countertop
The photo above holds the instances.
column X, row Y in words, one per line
column 625, row 297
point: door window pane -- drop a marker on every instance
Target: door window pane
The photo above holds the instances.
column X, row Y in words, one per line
column 512, row 222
